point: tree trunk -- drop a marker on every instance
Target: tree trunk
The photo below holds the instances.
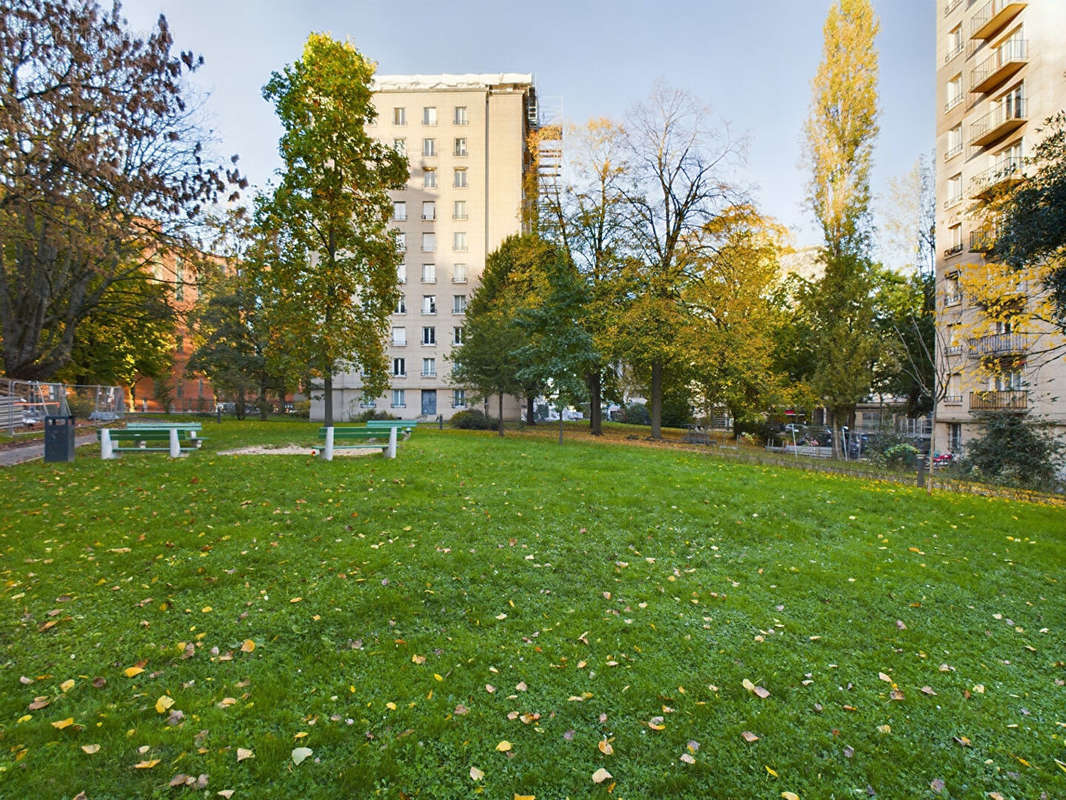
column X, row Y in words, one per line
column 262, row 401
column 932, row 451
column 595, row 404
column 531, row 418
column 835, row 416
column 327, row 399
column 560, row 407
column 656, row 399
column 240, row 404
column 500, row 427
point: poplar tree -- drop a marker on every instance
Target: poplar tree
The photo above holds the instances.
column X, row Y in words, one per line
column 840, row 133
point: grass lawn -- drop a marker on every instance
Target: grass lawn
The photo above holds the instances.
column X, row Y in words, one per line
column 511, row 616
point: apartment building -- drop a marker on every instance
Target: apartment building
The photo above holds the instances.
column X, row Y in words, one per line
column 1000, row 68
column 466, row 139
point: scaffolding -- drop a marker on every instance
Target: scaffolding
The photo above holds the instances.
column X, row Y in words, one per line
column 545, row 144
column 25, row 404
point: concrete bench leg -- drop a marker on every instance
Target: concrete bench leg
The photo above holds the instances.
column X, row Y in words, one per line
column 391, row 452
column 327, row 450
column 175, row 446
column 106, row 450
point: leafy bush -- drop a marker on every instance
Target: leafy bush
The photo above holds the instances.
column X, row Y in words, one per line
column 756, row 430
column 900, row 456
column 302, row 409
column 472, row 420
column 373, row 413
column 637, row 414
column 1014, row 450
column 677, row 411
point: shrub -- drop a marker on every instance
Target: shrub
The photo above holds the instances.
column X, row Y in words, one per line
column 301, row 408
column 677, row 412
column 755, row 429
column 472, row 420
column 1014, row 450
column 373, row 413
column 637, row 414
column 900, row 456
column 80, row 406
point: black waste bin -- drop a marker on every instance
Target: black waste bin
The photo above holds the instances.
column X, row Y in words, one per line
column 59, row 438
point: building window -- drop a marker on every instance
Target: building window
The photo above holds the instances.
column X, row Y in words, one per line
column 399, row 210
column 429, row 147
column 429, row 179
column 399, row 367
column 429, row 273
column 952, row 290
column 1012, row 103
column 459, row 241
column 399, row 337
column 401, row 273
column 401, row 305
column 460, row 178
column 429, row 210
column 429, row 367
column 457, row 334
column 458, row 398
column 459, row 209
column 399, row 398
column 460, row 146
column 459, row 273
column 429, row 304
column 459, row 304
column 955, row 436
column 954, row 43
column 954, row 190
column 367, row 402
column 429, row 334
column 954, row 92
column 954, row 141
column 1009, row 380
column 201, row 388
column 401, row 241
column 400, row 146
column 429, row 242
column 429, row 115
column 460, row 116
column 1008, row 160
column 399, row 116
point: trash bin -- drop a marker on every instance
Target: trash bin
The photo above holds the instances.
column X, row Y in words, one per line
column 59, row 439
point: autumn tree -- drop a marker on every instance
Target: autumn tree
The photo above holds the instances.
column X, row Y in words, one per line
column 729, row 342
column 103, row 170
column 680, row 166
column 335, row 276
column 840, row 133
column 585, row 215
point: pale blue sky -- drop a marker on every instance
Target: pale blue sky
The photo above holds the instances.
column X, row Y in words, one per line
column 750, row 61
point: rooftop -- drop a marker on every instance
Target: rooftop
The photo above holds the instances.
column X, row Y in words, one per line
column 481, row 80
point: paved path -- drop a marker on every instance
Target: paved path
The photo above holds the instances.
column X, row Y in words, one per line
column 33, row 450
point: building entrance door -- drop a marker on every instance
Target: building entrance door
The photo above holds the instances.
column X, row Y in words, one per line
column 429, row 402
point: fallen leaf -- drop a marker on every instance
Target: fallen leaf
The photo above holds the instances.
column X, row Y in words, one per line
column 91, row 748
column 38, row 703
column 247, row 646
column 99, row 683
column 770, row 771
column 884, row 729
column 417, row 659
column 687, row 758
column 476, row 774
column 163, row 703
column 937, row 785
column 67, row 685
column 226, row 793
column 63, row 723
column 790, row 796
column 146, row 764
column 749, row 736
column 656, row 724
column 928, row 690
column 243, row 753
column 132, row 672
column 605, row 747
column 181, row 779
column 503, row 747
column 884, row 677
column 300, row 754
column 600, row 775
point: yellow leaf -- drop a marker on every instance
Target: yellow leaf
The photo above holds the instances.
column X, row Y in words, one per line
column 91, row 748
column 525, row 797
column 67, row 685
column 300, row 735
column 748, row 685
column 476, row 774
column 146, row 764
column 132, row 672
column 206, row 609
column 770, row 771
column 417, row 659
column 605, row 747
column 226, row 793
column 243, row 753
column 391, row 706
column 790, row 796
column 25, row 718
column 503, row 746
column 437, row 677
column 295, row 599
column 163, row 703
column 884, row 677
column 63, row 723
column 247, row 646
column 600, row 775
column 1062, row 766
column 884, row 729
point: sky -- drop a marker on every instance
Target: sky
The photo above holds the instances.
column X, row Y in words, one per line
column 750, row 62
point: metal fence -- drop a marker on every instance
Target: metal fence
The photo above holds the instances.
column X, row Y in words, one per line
column 25, row 404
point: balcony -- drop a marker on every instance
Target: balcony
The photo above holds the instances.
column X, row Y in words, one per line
column 999, row 400
column 991, row 18
column 951, row 5
column 954, row 250
column 1009, row 57
column 953, row 299
column 982, row 241
column 952, row 400
column 998, row 344
column 996, row 124
column 997, row 179
column 954, row 350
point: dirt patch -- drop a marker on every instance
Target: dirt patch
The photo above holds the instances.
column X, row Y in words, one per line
column 293, row 450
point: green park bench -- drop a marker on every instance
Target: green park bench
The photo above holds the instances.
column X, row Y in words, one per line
column 382, row 438
column 147, row 438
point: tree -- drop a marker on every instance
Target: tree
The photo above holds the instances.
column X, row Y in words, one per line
column 840, row 132
column 679, row 164
column 730, row 340
column 335, row 275
column 586, row 217
column 1031, row 220
column 103, row 170
column 489, row 359
column 559, row 353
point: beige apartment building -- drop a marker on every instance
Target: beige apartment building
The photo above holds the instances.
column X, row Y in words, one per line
column 466, row 139
column 1000, row 74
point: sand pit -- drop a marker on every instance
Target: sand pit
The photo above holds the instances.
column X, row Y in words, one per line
column 294, row 450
